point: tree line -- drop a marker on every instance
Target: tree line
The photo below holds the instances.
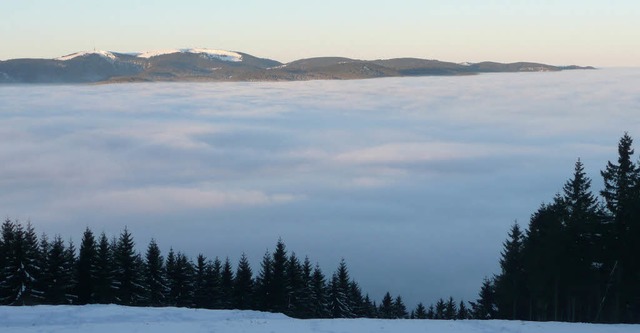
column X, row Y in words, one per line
column 36, row 270
column 579, row 258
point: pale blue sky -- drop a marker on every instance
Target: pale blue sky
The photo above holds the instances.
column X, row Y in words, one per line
column 587, row 32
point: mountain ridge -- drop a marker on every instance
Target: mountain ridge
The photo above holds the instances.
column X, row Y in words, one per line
column 201, row 64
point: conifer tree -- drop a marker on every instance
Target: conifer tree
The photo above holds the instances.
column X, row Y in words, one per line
column 200, row 292
column 294, row 285
column 431, row 312
column 463, row 312
column 154, row 276
column 305, row 297
column 510, row 284
column 399, row 308
column 450, row 310
column 87, row 268
column 484, row 307
column 180, row 280
column 420, row 312
column 278, row 295
column 105, row 287
column 386, row 310
column 622, row 197
column 20, row 271
column 128, row 270
column 214, row 289
column 339, row 302
column 319, row 292
column 263, row 283
column 358, row 305
column 243, row 285
column 57, row 276
column 226, row 284
column 441, row 307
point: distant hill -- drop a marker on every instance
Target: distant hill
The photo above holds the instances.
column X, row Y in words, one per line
column 217, row 65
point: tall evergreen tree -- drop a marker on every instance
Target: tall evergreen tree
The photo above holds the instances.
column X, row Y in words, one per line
column 399, row 308
column 510, row 285
column 386, row 310
column 622, row 197
column 214, row 284
column 319, row 292
column 200, row 293
column 128, row 272
column 57, row 276
column 484, row 307
column 583, row 225
column 21, row 270
column 105, row 288
column 450, row 310
column 339, row 302
column 463, row 312
column 278, row 294
column 86, row 269
column 243, row 285
column 154, row 276
column 441, row 307
column 420, row 312
column 226, row 284
column 263, row 283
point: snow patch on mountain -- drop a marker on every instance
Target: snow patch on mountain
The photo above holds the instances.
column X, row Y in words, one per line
column 213, row 54
column 105, row 54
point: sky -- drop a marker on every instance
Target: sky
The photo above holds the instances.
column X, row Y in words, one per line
column 603, row 33
column 415, row 182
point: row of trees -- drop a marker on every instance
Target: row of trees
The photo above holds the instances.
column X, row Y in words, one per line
column 579, row 258
column 41, row 271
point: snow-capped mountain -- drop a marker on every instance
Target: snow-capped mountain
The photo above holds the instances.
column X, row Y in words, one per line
column 202, row 64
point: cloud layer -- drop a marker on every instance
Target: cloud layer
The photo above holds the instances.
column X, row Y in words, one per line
column 414, row 181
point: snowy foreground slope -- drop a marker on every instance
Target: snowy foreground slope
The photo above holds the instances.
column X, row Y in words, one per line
column 119, row 319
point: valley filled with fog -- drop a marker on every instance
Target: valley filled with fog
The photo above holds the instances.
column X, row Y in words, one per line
column 413, row 181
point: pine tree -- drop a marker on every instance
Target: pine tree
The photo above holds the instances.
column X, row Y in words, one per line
column 243, row 285
column 484, row 307
column 154, row 276
column 441, row 307
column 386, row 310
column 463, row 312
column 277, row 294
column 128, row 269
column 510, row 284
column 400, row 310
column 105, row 288
column 200, row 292
column 450, row 310
column 87, row 268
column 358, row 305
column 319, row 292
column 263, row 284
column 431, row 313
column 214, row 289
column 339, row 302
column 622, row 197
column 583, row 224
column 57, row 275
column 20, row 270
column 370, row 307
column 294, row 285
column 181, row 281
column 305, row 297
column 226, row 284
column 420, row 312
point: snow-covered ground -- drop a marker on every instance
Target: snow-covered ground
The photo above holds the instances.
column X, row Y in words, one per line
column 119, row 319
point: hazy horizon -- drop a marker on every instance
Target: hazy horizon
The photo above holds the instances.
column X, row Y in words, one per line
column 593, row 32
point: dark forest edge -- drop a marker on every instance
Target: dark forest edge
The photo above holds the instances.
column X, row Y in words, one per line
column 577, row 261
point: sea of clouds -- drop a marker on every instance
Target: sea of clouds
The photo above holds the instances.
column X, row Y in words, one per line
column 413, row 181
